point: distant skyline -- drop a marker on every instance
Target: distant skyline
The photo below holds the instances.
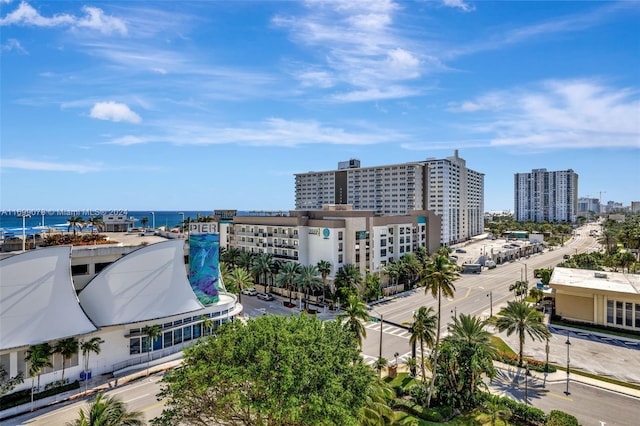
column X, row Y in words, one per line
column 207, row 105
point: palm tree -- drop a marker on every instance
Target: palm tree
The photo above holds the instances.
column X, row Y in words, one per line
column 496, row 408
column 324, row 267
column 411, row 364
column 521, row 318
column 287, row 277
column 263, row 265
column 67, row 348
column 468, row 334
column 412, row 266
column 245, row 259
column 307, row 280
column 355, row 313
column 107, row 410
column 151, row 332
column 38, row 359
column 348, row 279
column 376, row 409
column 144, row 221
column 96, row 224
column 74, row 223
column 519, row 289
column 380, row 364
column 238, row 280
column 393, row 271
column 231, row 257
column 438, row 276
column 88, row 346
column 422, row 330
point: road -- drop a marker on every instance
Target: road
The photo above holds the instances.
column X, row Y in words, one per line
column 590, row 405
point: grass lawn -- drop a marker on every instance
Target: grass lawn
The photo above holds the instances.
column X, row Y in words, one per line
column 501, row 345
column 402, row 379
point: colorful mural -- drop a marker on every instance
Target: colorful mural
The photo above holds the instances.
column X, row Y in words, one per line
column 204, row 250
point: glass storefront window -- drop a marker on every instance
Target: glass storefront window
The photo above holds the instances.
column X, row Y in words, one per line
column 134, row 346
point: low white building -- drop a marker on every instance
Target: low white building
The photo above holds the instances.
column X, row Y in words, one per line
column 146, row 287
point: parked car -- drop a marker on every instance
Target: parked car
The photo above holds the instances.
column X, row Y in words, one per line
column 459, row 250
column 566, row 256
column 490, row 264
column 249, row 291
column 265, row 296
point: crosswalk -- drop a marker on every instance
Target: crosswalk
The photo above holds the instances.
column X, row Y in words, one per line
column 371, row 360
column 389, row 329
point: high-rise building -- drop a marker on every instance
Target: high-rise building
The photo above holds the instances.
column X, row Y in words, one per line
column 588, row 206
column 446, row 187
column 456, row 194
column 542, row 196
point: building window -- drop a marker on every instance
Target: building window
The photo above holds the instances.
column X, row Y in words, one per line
column 628, row 314
column 186, row 333
column 168, row 339
column 100, row 266
column 197, row 330
column 618, row 313
column 134, row 346
column 637, row 315
column 79, row 269
column 177, row 336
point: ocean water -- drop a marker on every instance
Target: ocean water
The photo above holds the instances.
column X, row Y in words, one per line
column 39, row 220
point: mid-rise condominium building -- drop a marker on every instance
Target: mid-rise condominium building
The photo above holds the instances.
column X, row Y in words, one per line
column 337, row 234
column 446, row 187
column 542, row 196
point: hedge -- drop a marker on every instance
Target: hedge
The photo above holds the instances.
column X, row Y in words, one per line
column 24, row 396
column 560, row 418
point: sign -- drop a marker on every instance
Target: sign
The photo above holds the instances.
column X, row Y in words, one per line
column 204, row 267
column 361, row 235
column 198, row 228
column 326, row 233
column 314, row 231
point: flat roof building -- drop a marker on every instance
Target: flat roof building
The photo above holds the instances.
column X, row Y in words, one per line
column 610, row 299
column 338, row 234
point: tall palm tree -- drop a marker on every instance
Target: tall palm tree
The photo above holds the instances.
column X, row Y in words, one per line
column 96, row 223
column 238, row 280
column 474, row 342
column 412, row 266
column 75, row 222
column 38, row 358
column 231, row 257
column 422, row 330
column 67, row 348
column 262, row 265
column 107, row 410
column 438, row 277
column 348, row 280
column 522, row 319
column 144, row 221
column 151, row 332
column 308, row 280
column 287, row 277
column 88, row 346
column 393, row 271
column 324, row 267
column 245, row 259
column 355, row 313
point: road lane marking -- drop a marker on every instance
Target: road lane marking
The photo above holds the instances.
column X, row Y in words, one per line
column 137, row 397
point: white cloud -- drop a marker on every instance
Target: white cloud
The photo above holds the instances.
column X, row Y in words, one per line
column 459, row 4
column 18, row 163
column 357, row 46
column 13, row 44
column 94, row 19
column 270, row 132
column 115, row 112
column 560, row 114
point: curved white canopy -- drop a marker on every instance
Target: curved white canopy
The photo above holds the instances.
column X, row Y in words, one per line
column 146, row 284
column 37, row 300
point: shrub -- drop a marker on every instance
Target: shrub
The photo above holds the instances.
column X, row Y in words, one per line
column 24, row 396
column 418, row 394
column 560, row 418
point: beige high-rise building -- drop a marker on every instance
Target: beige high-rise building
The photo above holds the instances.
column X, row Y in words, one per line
column 445, row 186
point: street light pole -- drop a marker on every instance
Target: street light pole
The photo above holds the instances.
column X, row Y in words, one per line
column 153, row 220
column 490, row 296
column 568, row 343
column 380, row 350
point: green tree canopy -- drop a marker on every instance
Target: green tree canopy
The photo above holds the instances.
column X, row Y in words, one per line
column 522, row 319
column 271, row 370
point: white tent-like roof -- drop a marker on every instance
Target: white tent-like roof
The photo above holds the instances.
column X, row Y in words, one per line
column 37, row 300
column 146, row 284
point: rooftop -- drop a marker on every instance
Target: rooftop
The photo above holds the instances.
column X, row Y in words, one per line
column 596, row 280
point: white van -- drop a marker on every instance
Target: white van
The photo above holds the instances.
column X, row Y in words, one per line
column 490, row 264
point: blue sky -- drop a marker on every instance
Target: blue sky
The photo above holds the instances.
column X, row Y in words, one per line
column 216, row 104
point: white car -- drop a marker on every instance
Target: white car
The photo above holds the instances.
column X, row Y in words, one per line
column 249, row 291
